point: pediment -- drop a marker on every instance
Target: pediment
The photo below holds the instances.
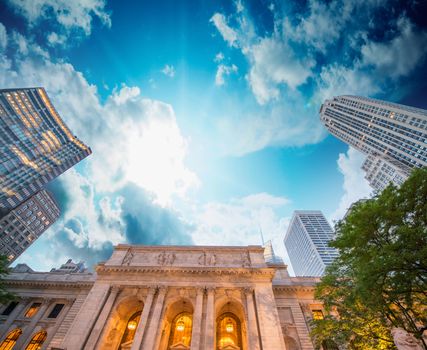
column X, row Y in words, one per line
column 179, row 346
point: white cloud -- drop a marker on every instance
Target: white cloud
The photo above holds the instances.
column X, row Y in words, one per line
column 169, row 71
column 76, row 14
column 220, row 22
column 400, row 55
column 240, row 221
column 219, row 57
column 55, row 39
column 3, row 36
column 125, row 94
column 355, row 186
column 223, row 71
column 274, row 63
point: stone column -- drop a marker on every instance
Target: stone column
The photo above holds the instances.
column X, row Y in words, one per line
column 100, row 322
column 29, row 329
column 142, row 325
column 150, row 339
column 210, row 319
column 197, row 320
column 253, row 338
column 4, row 328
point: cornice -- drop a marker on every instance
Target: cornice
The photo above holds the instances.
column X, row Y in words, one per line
column 201, row 248
column 295, row 288
column 44, row 284
column 192, row 270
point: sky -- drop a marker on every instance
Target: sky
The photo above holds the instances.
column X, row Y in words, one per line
column 203, row 115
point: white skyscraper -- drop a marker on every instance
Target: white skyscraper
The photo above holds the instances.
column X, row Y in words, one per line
column 306, row 242
column 394, row 135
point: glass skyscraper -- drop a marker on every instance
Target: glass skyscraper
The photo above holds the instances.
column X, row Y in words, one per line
column 23, row 225
column 306, row 242
column 35, row 145
column 395, row 135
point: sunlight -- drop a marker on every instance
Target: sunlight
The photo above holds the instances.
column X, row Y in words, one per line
column 156, row 160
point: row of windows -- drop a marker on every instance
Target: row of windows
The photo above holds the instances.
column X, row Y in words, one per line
column 33, row 309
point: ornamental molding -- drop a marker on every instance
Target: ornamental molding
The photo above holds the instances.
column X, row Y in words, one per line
column 197, row 270
column 294, row 288
column 52, row 284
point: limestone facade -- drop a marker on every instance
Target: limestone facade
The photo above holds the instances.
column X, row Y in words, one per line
column 168, row 297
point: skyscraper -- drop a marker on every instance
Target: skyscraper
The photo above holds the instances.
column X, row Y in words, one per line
column 396, row 135
column 35, row 145
column 23, row 225
column 306, row 242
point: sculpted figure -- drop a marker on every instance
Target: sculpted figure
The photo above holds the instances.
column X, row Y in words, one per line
column 405, row 341
column 246, row 260
column 212, row 260
column 202, row 259
column 128, row 258
column 170, row 258
column 161, row 258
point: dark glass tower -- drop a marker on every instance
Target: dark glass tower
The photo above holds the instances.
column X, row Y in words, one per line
column 35, row 145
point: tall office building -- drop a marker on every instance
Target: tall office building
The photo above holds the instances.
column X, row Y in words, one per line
column 395, row 135
column 306, row 242
column 24, row 224
column 35, row 145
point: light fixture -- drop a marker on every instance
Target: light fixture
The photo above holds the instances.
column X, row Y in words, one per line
column 229, row 326
column 180, row 326
column 132, row 325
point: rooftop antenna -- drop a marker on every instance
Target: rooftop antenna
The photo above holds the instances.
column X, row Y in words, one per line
column 262, row 236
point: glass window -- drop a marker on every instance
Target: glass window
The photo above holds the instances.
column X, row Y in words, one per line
column 317, row 314
column 228, row 331
column 182, row 326
column 10, row 340
column 33, row 310
column 37, row 341
column 9, row 308
column 55, row 311
column 131, row 328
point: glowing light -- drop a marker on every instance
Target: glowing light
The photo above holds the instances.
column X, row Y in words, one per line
column 229, row 327
column 180, row 326
column 132, row 325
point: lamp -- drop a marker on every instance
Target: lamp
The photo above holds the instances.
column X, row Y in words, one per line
column 180, row 326
column 132, row 325
column 229, row 326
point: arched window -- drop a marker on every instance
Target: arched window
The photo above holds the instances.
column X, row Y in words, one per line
column 180, row 334
column 228, row 332
column 37, row 341
column 291, row 343
column 131, row 328
column 10, row 340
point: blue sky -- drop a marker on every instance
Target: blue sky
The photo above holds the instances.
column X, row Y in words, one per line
column 203, row 115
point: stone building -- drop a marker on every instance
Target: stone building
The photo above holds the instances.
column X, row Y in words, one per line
column 163, row 297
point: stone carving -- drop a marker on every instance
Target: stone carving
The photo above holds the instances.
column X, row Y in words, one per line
column 246, row 260
column 166, row 259
column 207, row 259
column 112, row 335
column 128, row 258
column 405, row 341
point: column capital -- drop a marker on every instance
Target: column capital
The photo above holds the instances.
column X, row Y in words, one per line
column 200, row 290
column 210, row 289
column 162, row 289
column 248, row 290
column 116, row 288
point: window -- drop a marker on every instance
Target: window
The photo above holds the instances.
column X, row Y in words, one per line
column 9, row 308
column 55, row 311
column 10, row 340
column 33, row 310
column 182, row 326
column 228, row 331
column 131, row 328
column 37, row 341
column 317, row 314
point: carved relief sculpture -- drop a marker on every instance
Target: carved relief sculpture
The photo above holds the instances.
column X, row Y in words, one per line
column 128, row 258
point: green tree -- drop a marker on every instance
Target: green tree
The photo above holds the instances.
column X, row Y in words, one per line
column 5, row 296
column 379, row 280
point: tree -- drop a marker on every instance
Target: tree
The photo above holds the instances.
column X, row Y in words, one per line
column 379, row 280
column 5, row 296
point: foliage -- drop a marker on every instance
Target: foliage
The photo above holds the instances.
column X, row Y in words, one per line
column 5, row 296
column 379, row 280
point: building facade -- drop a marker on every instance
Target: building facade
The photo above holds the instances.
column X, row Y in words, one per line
column 306, row 242
column 35, row 145
column 394, row 133
column 24, row 224
column 164, row 297
column 380, row 171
